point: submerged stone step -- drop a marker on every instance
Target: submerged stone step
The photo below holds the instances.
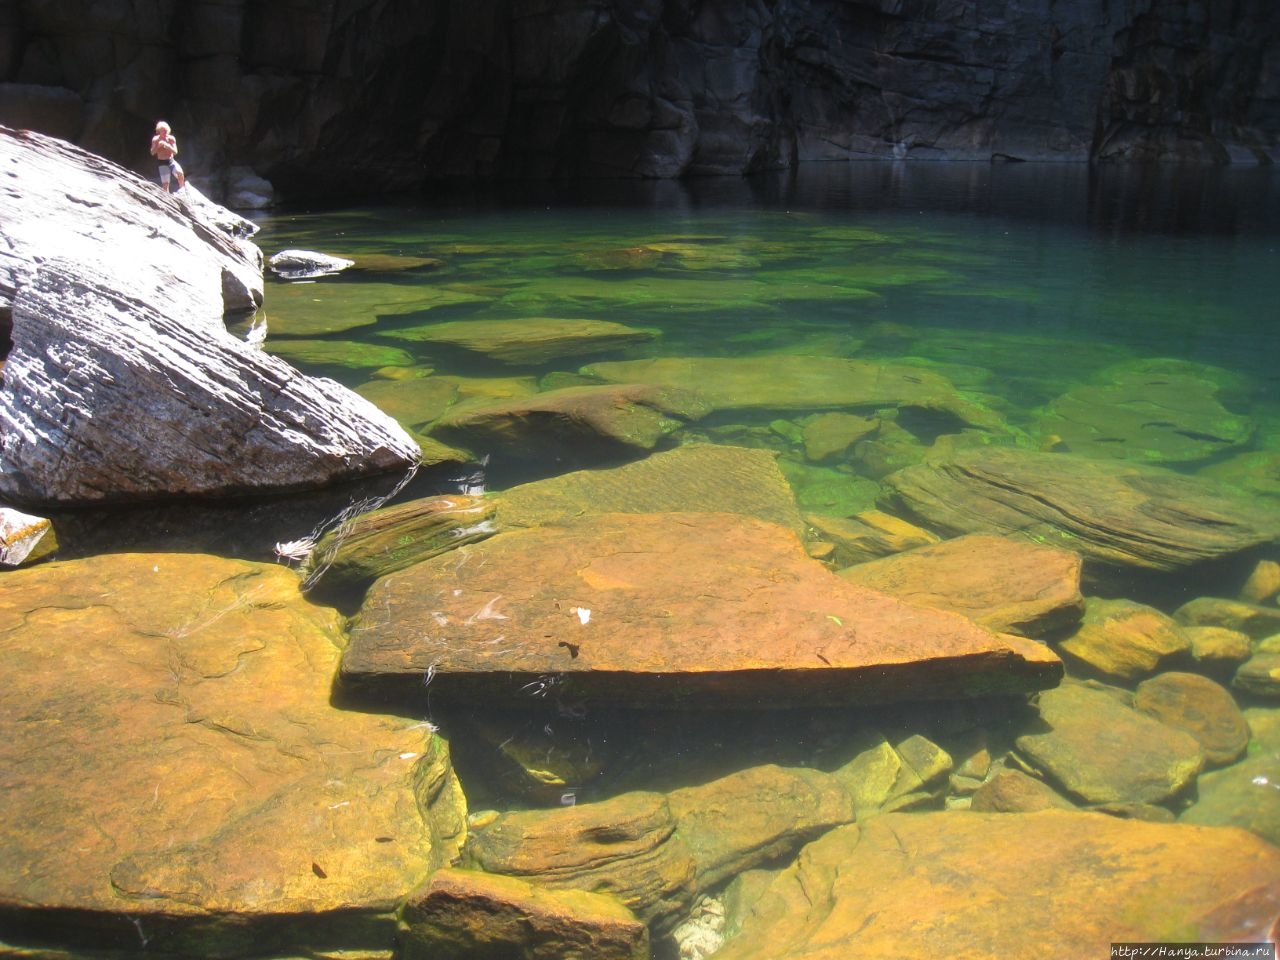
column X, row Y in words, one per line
column 696, row 610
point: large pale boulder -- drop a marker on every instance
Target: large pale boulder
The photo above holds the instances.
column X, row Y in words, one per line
column 697, row 609
column 180, row 770
column 1112, row 512
column 122, row 382
column 977, row 885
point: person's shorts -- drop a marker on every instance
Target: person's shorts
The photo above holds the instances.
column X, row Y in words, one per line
column 169, row 168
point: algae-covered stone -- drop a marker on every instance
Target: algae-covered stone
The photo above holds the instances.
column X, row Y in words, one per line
column 1263, row 583
column 339, row 353
column 692, row 477
column 1102, row 751
column 1157, row 411
column 179, row 706
column 1253, row 619
column 829, row 436
column 1113, row 512
column 383, row 541
column 803, row 383
column 974, row 884
column 1245, row 794
column 463, row 914
column 528, row 339
column 571, row 424
column 1218, row 649
column 1006, row 585
column 1125, row 640
column 1260, row 674
column 413, row 403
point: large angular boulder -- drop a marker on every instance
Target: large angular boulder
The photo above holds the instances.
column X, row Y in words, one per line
column 1112, row 512
column 698, row 609
column 1006, row 585
column 180, row 769
column 974, row 884
column 122, row 382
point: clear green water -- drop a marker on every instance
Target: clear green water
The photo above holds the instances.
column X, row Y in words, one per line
column 1019, row 284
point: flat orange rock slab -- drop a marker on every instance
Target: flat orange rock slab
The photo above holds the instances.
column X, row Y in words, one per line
column 689, row 609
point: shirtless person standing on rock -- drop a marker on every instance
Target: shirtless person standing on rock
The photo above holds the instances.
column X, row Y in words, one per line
column 164, row 147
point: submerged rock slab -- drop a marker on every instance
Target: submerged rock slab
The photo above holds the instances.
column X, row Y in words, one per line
column 692, row 477
column 528, row 339
column 1157, row 411
column 1003, row 584
column 571, row 423
column 1101, row 750
column 977, row 884
column 173, row 765
column 677, row 609
column 1112, row 512
column 801, row 383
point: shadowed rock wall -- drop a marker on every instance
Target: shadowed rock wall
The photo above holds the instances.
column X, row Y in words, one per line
column 372, row 95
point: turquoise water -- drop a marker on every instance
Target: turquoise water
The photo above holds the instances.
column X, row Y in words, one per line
column 1018, row 283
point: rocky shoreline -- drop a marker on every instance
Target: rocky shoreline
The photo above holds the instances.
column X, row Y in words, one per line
column 647, row 708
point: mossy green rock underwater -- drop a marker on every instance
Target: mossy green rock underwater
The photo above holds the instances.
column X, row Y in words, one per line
column 179, row 768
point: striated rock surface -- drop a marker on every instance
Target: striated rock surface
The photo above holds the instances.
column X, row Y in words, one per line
column 658, row 853
column 1102, row 751
column 463, row 914
column 1005, row 585
column 122, row 382
column 1110, row 511
column 617, row 89
column 696, row 609
column 140, row 677
column 974, row 884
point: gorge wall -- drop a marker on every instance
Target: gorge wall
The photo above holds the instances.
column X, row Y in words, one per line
column 358, row 96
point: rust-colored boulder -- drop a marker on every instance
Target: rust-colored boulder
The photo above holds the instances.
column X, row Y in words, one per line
column 174, row 763
column 464, row 914
column 691, row 609
column 1006, row 585
column 977, row 885
column 1204, row 709
column 1125, row 640
column 1012, row 791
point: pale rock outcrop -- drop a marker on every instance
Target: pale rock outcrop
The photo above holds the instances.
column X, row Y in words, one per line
column 122, row 382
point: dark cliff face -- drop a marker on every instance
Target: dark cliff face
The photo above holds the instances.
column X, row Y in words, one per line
column 353, row 96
